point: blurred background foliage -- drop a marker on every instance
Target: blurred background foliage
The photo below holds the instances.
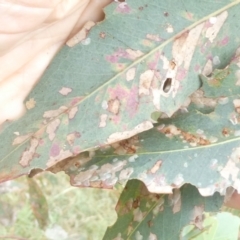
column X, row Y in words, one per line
column 47, row 207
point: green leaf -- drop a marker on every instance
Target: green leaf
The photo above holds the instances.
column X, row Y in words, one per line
column 218, row 227
column 145, row 215
column 145, row 57
column 200, row 147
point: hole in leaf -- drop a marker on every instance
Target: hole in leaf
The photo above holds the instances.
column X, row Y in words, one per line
column 167, row 85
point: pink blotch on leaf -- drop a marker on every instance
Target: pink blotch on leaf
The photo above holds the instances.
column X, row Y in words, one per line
column 41, row 142
column 123, row 8
column 197, row 67
column 76, row 150
column 116, row 119
column 130, row 97
column 76, row 100
column 224, row 41
column 114, row 58
column 132, row 101
column 207, row 24
column 153, row 65
column 181, row 74
column 55, row 150
column 118, row 92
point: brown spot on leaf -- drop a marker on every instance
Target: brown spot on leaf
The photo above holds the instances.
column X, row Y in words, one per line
column 128, row 146
column 191, row 138
column 197, row 216
column 113, row 106
column 150, row 223
column 136, row 203
column 226, row 132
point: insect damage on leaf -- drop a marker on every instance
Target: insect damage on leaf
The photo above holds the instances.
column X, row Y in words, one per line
column 145, row 82
column 197, row 216
column 118, row 136
column 30, row 103
column 215, row 26
column 29, row 154
column 65, row 91
column 51, row 128
column 21, row 139
column 81, row 35
column 175, row 200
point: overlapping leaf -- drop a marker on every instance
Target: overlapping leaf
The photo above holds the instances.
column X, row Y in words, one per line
column 201, row 146
column 144, row 215
column 145, row 57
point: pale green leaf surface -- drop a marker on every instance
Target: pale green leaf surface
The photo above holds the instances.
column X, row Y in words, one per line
column 144, row 215
column 107, row 102
column 221, row 226
column 201, row 147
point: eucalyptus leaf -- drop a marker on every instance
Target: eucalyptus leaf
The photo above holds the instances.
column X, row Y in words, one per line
column 144, row 215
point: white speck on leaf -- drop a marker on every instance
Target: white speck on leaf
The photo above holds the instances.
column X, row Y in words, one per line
column 237, row 133
column 185, row 165
column 104, row 104
column 130, row 74
column 81, row 35
column 152, row 236
column 213, row 139
column 216, row 60
column 178, row 180
column 103, row 119
column 125, row 174
column 223, row 100
column 16, row 133
column 213, row 31
column 65, row 91
column 138, row 236
column 212, row 20
column 21, row 139
column 169, row 28
column 86, row 41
